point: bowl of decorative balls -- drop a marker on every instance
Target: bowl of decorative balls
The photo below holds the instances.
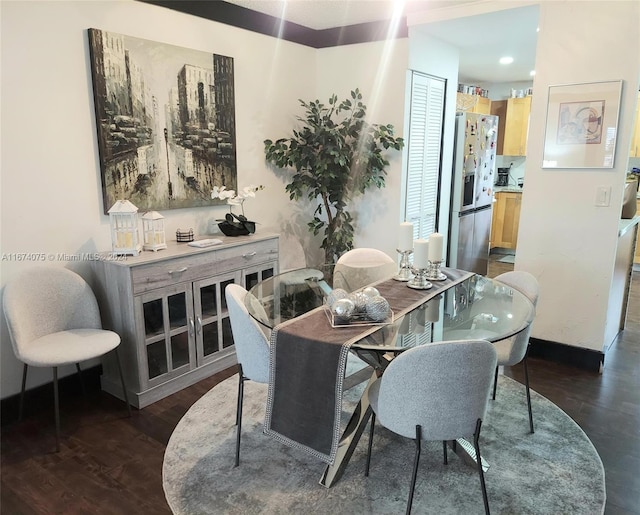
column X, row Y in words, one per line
column 363, row 307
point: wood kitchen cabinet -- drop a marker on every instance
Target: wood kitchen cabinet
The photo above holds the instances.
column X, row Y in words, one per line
column 635, row 139
column 506, row 219
column 473, row 103
column 169, row 308
column 513, row 127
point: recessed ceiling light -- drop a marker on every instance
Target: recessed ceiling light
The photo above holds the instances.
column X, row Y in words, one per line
column 506, row 60
column 532, row 73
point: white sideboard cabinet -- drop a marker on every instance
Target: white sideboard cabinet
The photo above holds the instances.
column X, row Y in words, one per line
column 170, row 311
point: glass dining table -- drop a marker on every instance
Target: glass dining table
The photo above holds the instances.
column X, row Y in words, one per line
column 478, row 307
column 475, row 307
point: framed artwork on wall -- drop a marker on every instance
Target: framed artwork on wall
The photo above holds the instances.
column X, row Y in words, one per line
column 165, row 119
column 582, row 125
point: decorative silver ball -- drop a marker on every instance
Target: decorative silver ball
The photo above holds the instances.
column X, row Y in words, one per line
column 378, row 308
column 359, row 300
column 335, row 295
column 342, row 310
column 370, row 291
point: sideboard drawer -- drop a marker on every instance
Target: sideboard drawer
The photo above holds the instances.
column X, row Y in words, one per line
column 258, row 252
column 165, row 273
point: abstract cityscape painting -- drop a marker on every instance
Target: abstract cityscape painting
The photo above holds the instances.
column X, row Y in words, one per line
column 165, row 118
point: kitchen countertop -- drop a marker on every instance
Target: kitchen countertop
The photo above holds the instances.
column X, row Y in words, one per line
column 627, row 223
column 510, row 189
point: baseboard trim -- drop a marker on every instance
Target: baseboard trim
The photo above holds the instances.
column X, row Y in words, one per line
column 43, row 394
column 578, row 357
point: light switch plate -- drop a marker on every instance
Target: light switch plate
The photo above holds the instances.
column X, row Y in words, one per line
column 603, row 196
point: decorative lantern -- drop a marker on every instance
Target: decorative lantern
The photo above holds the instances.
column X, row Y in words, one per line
column 124, row 228
column 153, row 231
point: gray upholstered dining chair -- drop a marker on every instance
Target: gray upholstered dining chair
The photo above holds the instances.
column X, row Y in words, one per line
column 358, row 267
column 436, row 391
column 252, row 349
column 54, row 320
column 512, row 351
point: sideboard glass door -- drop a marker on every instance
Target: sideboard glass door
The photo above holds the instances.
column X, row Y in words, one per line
column 254, row 275
column 213, row 330
column 168, row 322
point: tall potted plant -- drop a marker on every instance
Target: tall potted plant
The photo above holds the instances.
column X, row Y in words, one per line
column 336, row 155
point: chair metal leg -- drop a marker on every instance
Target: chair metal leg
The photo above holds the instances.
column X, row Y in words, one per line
column 476, row 443
column 84, row 392
column 495, row 383
column 124, row 386
column 56, row 406
column 370, row 446
column 414, row 475
column 239, row 414
column 24, row 384
column 526, row 382
column 444, row 450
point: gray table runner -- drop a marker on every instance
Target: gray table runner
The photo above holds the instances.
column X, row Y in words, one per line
column 307, row 365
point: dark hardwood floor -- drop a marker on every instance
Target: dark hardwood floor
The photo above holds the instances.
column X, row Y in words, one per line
column 606, row 405
column 112, row 464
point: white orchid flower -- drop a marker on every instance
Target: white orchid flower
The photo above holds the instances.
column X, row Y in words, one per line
column 222, row 192
column 227, row 194
column 216, row 192
column 249, row 191
column 232, row 198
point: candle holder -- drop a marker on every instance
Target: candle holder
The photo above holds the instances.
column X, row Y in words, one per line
column 419, row 280
column 404, row 270
column 434, row 272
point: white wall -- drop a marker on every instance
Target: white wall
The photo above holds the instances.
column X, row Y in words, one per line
column 567, row 242
column 502, row 90
column 50, row 184
column 434, row 57
column 379, row 71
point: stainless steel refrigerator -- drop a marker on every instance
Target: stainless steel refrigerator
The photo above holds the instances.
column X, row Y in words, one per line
column 474, row 165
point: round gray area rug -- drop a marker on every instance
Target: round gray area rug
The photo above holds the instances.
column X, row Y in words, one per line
column 554, row 471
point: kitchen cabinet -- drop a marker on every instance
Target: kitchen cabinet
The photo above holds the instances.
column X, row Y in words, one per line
column 635, row 139
column 506, row 219
column 170, row 311
column 513, row 128
column 473, row 103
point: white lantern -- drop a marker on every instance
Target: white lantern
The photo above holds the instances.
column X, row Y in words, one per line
column 123, row 216
column 153, row 231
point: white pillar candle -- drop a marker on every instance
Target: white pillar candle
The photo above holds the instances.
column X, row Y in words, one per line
column 405, row 241
column 420, row 254
column 435, row 247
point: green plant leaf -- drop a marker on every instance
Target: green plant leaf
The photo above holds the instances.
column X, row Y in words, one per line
column 335, row 155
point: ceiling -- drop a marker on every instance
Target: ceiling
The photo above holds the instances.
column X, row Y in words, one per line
column 482, row 39
column 326, row 14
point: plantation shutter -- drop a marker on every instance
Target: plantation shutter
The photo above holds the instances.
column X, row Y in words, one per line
column 423, row 174
column 424, row 146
